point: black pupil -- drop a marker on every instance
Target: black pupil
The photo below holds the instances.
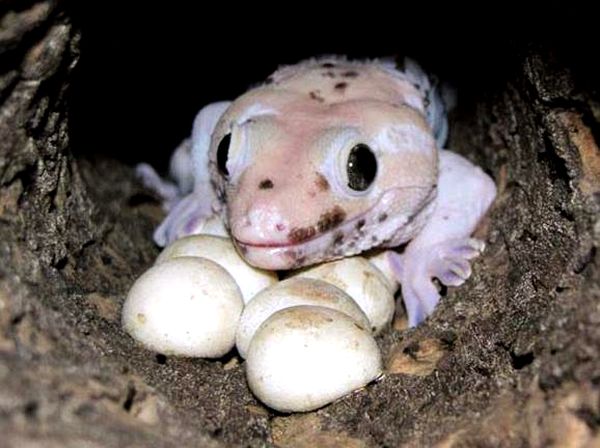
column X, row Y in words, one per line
column 223, row 153
column 362, row 167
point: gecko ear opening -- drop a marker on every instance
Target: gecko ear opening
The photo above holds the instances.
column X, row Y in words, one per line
column 361, row 167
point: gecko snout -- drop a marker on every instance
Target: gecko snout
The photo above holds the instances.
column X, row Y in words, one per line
column 262, row 223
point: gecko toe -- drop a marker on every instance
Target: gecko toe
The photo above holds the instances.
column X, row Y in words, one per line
column 468, row 248
column 168, row 191
column 420, row 298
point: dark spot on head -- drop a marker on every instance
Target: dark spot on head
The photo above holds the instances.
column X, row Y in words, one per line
column 327, row 65
column 315, row 95
column 382, row 217
column 360, row 224
column 265, row 184
column 417, row 86
column 374, row 239
column 321, row 182
column 301, row 234
column 350, row 74
column 352, row 244
column 338, row 238
column 331, row 219
column 341, row 86
column 446, row 218
column 328, row 74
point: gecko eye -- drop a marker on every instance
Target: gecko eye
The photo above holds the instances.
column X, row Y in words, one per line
column 223, row 154
column 361, row 167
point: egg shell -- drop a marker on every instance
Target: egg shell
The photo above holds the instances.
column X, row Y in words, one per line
column 379, row 259
column 292, row 292
column 187, row 306
column 210, row 226
column 363, row 282
column 221, row 250
column 305, row 357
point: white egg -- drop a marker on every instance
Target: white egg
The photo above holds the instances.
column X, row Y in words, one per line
column 305, row 357
column 221, row 250
column 187, row 306
column 292, row 292
column 363, row 282
column 380, row 260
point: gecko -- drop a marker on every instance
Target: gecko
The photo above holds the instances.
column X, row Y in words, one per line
column 327, row 159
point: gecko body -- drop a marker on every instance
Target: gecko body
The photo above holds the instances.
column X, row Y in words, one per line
column 327, row 159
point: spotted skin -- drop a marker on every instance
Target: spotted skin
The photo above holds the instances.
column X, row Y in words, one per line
column 285, row 195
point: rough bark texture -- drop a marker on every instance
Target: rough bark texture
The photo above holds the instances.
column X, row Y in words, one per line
column 509, row 359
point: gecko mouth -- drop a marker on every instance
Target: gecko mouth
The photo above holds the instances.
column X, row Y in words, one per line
column 267, row 245
column 342, row 239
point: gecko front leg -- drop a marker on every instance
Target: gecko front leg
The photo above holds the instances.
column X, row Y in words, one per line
column 188, row 201
column 181, row 177
column 444, row 247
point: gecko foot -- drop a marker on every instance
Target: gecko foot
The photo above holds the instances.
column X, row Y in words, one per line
column 168, row 191
column 450, row 262
column 415, row 269
column 184, row 218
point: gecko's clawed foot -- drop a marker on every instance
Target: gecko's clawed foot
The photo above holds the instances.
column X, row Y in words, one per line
column 448, row 261
column 184, row 218
column 168, row 191
column 186, row 214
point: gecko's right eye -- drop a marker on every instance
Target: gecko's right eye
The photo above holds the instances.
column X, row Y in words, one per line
column 361, row 167
column 223, row 154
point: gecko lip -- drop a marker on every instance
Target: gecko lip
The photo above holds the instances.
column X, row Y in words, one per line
column 267, row 245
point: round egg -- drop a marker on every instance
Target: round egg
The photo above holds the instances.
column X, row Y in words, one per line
column 363, row 282
column 304, row 357
column 380, row 259
column 251, row 280
column 292, row 292
column 186, row 306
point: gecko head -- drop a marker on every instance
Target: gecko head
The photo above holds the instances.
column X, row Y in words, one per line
column 305, row 181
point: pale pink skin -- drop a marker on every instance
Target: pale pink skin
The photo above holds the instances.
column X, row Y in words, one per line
column 286, row 200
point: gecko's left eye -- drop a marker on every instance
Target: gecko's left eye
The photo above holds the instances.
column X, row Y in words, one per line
column 223, row 154
column 361, row 167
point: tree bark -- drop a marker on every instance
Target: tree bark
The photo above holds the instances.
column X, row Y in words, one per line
column 509, row 359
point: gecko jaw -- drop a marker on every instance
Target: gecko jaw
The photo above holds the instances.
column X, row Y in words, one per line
column 348, row 238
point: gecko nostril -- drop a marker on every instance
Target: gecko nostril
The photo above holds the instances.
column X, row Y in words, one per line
column 280, row 227
column 265, row 184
